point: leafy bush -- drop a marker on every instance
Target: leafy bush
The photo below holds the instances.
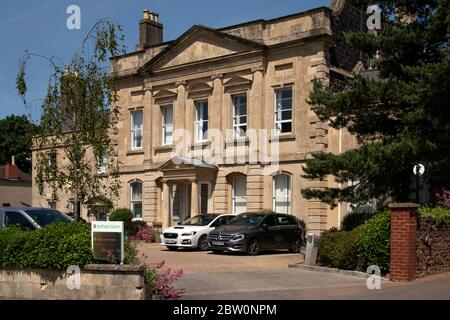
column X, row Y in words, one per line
column 441, row 215
column 130, row 253
column 139, row 230
column 368, row 244
column 122, row 214
column 374, row 242
column 443, row 199
column 357, row 217
column 337, row 249
column 56, row 246
column 143, row 234
column 159, row 281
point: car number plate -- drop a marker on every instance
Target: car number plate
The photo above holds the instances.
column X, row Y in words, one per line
column 218, row 243
column 170, row 241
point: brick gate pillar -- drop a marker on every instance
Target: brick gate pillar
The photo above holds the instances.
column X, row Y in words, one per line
column 403, row 241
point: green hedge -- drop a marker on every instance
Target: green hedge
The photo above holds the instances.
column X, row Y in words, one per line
column 368, row 244
column 374, row 242
column 357, row 217
column 441, row 215
column 122, row 214
column 56, row 246
column 337, row 249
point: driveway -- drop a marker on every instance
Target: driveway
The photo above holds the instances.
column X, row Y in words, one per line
column 192, row 261
column 237, row 276
column 211, row 276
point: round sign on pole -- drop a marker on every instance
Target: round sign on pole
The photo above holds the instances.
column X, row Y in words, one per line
column 419, row 169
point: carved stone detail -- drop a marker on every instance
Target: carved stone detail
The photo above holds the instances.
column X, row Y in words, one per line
column 261, row 68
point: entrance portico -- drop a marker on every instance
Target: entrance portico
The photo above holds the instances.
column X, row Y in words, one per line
column 187, row 185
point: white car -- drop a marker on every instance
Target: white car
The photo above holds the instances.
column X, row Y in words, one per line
column 192, row 233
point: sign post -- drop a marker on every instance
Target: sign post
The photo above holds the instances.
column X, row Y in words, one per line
column 107, row 239
column 311, row 250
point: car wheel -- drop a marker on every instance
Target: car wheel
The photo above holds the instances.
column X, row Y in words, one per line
column 295, row 246
column 172, row 248
column 202, row 243
column 253, row 247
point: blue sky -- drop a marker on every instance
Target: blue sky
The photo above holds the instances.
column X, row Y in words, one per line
column 40, row 27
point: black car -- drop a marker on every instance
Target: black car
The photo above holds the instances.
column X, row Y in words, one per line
column 256, row 231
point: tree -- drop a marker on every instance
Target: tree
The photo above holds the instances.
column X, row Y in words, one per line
column 15, row 140
column 78, row 120
column 400, row 119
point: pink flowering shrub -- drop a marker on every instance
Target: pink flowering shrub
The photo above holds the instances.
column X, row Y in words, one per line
column 110, row 256
column 160, row 280
column 443, row 199
column 142, row 234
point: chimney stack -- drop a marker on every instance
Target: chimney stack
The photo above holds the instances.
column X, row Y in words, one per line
column 11, row 169
column 150, row 30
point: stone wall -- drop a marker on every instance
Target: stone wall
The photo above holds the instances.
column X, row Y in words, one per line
column 98, row 282
column 433, row 247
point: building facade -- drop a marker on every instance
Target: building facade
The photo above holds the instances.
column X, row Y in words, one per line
column 15, row 186
column 218, row 120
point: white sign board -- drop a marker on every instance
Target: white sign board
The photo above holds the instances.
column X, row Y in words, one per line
column 107, row 240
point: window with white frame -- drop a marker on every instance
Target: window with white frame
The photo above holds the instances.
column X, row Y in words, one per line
column 240, row 116
column 137, row 120
column 283, row 110
column 201, row 121
column 103, row 163
column 167, row 124
column 136, row 199
column 239, row 195
column 282, row 193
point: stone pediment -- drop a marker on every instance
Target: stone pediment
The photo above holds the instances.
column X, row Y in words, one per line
column 165, row 94
column 199, row 89
column 237, row 82
column 177, row 163
column 198, row 44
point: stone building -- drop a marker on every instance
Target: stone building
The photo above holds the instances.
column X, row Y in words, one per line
column 15, row 186
column 217, row 120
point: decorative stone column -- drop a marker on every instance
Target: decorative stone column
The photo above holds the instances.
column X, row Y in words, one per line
column 148, row 116
column 403, row 241
column 165, row 212
column 194, row 198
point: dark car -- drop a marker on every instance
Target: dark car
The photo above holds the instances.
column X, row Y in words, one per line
column 28, row 218
column 254, row 232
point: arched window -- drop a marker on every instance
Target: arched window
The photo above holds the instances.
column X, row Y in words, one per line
column 136, row 199
column 282, row 193
column 239, row 194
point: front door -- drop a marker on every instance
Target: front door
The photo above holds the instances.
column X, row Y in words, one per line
column 180, row 202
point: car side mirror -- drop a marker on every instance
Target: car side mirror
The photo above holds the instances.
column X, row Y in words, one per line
column 265, row 226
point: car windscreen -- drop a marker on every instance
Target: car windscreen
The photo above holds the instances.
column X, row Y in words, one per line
column 45, row 217
column 198, row 221
column 247, row 220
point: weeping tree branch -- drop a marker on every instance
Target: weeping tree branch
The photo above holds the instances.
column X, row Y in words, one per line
column 78, row 119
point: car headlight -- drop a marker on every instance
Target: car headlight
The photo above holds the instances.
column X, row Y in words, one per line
column 187, row 234
column 237, row 237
